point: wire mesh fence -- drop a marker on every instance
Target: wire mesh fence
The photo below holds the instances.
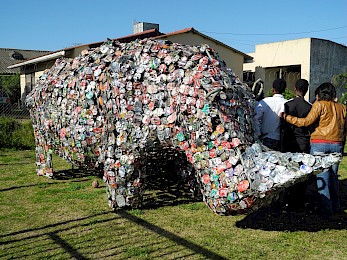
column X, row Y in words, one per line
column 15, row 110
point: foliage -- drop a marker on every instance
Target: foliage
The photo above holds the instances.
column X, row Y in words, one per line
column 10, row 85
column 65, row 218
column 343, row 99
column 288, row 94
column 341, row 80
column 15, row 134
column 340, row 77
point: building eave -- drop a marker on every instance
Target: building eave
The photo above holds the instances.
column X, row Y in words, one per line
column 47, row 57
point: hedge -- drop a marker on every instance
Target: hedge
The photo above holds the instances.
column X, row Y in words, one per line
column 16, row 134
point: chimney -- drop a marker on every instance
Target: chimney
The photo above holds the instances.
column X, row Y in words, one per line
column 142, row 26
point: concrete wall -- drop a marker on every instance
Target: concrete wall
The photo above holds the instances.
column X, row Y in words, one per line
column 278, row 56
column 286, row 53
column 327, row 59
column 318, row 59
column 232, row 59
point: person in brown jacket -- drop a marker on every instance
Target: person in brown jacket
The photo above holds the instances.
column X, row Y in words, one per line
column 328, row 137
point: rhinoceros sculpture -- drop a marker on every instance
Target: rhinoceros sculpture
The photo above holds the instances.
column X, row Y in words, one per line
column 104, row 108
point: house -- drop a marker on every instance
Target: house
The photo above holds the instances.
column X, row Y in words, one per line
column 316, row 60
column 34, row 68
column 10, row 57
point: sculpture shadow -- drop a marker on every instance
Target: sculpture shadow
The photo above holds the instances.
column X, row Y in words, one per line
column 277, row 217
column 73, row 173
column 64, row 176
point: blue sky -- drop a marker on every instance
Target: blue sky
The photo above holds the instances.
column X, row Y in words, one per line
column 54, row 25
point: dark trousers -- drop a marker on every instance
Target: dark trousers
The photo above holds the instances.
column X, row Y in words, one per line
column 271, row 143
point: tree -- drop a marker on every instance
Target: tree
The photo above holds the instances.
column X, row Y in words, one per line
column 10, row 86
column 340, row 82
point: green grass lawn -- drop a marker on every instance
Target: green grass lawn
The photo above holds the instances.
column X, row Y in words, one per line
column 66, row 218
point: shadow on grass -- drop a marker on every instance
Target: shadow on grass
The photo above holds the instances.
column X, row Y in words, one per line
column 18, row 187
column 167, row 189
column 67, row 247
column 118, row 235
column 13, row 163
column 50, row 226
column 41, row 184
column 163, row 186
column 68, row 174
column 178, row 240
column 82, row 239
column 278, row 218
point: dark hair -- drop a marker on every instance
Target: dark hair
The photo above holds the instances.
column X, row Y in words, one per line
column 279, row 85
column 302, row 86
column 326, row 91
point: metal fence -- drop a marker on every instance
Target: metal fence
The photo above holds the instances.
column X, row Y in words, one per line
column 15, row 110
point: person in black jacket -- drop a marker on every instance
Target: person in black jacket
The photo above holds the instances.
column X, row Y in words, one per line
column 296, row 139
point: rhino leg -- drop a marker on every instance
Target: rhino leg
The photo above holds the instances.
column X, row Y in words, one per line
column 124, row 184
column 49, row 162
column 44, row 163
column 187, row 176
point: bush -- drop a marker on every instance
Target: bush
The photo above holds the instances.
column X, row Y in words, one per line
column 340, row 82
column 288, row 94
column 343, row 99
column 10, row 85
column 15, row 134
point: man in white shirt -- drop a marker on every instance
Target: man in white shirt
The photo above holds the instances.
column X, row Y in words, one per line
column 267, row 120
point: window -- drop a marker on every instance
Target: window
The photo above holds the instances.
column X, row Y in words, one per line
column 29, row 82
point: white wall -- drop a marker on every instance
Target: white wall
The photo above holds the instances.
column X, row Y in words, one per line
column 273, row 56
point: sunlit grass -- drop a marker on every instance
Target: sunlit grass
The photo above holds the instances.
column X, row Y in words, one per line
column 43, row 218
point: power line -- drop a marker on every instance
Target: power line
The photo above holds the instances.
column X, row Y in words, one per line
column 276, row 33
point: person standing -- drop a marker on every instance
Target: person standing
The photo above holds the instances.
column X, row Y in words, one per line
column 328, row 137
column 267, row 118
column 296, row 140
